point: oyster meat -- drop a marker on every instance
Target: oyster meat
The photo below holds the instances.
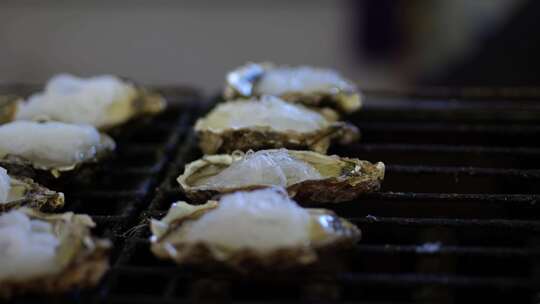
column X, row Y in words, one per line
column 308, row 176
column 48, row 253
column 103, row 101
column 310, row 86
column 268, row 123
column 50, row 146
column 245, row 231
column 21, row 191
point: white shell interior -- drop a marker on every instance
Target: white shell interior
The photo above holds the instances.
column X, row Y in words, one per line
column 304, row 79
column 51, row 143
column 98, row 101
column 260, row 220
column 27, row 247
column 5, row 186
column 265, row 167
column 269, row 111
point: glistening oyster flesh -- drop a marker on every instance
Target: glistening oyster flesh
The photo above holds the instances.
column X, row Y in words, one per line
column 49, row 253
column 54, row 147
column 245, row 231
column 102, row 101
column 308, row 176
column 310, row 86
column 268, row 123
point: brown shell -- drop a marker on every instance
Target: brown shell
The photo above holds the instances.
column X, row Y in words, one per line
column 241, row 83
column 258, row 138
column 344, row 178
column 84, row 259
column 33, row 196
column 326, row 240
column 8, row 108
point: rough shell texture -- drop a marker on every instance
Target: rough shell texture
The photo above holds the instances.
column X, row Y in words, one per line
column 241, row 83
column 8, row 108
column 83, row 258
column 326, row 239
column 27, row 193
column 343, row 178
column 258, row 138
column 21, row 166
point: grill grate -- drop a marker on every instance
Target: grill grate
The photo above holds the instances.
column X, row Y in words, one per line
column 457, row 219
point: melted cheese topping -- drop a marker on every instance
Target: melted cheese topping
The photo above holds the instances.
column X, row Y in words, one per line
column 265, row 167
column 304, row 79
column 268, row 112
column 99, row 101
column 259, row 220
column 27, row 247
column 51, row 143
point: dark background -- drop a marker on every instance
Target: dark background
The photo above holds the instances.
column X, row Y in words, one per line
column 379, row 43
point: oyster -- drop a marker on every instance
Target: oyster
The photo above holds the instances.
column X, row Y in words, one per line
column 8, row 108
column 55, row 147
column 48, row 253
column 21, row 191
column 102, row 101
column 310, row 86
column 308, row 176
column 268, row 123
column 245, row 231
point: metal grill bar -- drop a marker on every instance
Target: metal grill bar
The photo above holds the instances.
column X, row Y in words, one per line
column 422, row 279
column 461, row 223
column 508, row 252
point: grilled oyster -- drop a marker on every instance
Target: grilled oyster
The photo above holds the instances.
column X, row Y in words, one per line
column 53, row 147
column 261, row 229
column 308, row 176
column 8, row 108
column 102, row 101
column 268, row 123
column 48, row 253
column 310, row 86
column 21, row 191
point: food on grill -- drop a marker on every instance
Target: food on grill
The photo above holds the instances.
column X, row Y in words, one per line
column 8, row 108
column 54, row 147
column 102, row 101
column 261, row 229
column 268, row 123
column 21, row 191
column 48, row 253
column 307, row 176
column 303, row 84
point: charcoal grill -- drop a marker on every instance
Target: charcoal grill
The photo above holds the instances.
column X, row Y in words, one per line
column 458, row 217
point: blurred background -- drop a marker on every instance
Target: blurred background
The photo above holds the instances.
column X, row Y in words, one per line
column 379, row 43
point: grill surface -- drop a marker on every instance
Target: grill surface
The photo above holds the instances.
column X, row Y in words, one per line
column 457, row 218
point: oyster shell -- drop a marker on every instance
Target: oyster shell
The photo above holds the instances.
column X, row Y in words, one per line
column 308, row 176
column 268, row 123
column 53, row 147
column 18, row 191
column 309, row 86
column 103, row 101
column 67, row 256
column 247, row 231
column 8, row 108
